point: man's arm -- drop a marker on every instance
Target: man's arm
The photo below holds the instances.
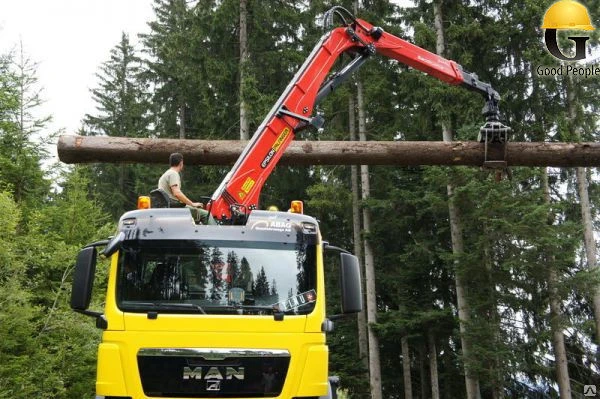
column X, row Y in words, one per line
column 183, row 198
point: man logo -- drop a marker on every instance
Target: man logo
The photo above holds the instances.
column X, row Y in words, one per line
column 213, row 373
column 214, row 385
column 589, row 390
column 566, row 14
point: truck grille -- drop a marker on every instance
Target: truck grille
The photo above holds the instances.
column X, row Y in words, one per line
column 212, row 373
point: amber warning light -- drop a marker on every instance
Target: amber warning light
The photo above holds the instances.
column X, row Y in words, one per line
column 143, row 202
column 297, row 207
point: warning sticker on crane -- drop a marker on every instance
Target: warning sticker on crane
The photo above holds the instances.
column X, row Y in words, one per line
column 246, row 187
column 276, row 145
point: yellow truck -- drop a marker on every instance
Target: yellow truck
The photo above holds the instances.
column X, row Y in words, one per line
column 214, row 311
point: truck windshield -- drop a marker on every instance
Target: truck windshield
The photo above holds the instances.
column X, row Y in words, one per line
column 217, row 277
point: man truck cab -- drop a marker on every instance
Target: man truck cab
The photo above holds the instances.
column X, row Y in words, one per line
column 214, row 311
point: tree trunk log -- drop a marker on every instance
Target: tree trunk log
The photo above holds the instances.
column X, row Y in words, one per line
column 561, row 365
column 425, row 379
column 435, row 384
column 371, row 295
column 456, row 233
column 588, row 239
column 90, row 149
column 408, row 393
column 243, row 67
column 361, row 319
column 584, row 201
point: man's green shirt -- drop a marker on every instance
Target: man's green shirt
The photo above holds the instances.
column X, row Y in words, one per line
column 167, row 180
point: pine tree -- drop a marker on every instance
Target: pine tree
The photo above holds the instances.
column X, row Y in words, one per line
column 122, row 111
column 30, row 98
column 456, row 232
column 233, row 270
column 20, row 156
column 244, row 56
column 246, row 279
column 261, row 287
column 41, row 235
column 170, row 72
column 71, row 220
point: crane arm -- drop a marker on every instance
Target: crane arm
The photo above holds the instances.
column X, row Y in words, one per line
column 238, row 193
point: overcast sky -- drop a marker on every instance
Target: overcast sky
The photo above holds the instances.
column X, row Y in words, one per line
column 69, row 39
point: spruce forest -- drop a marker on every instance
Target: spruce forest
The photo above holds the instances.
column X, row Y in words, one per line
column 476, row 287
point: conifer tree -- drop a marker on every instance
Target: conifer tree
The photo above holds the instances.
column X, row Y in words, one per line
column 261, row 287
column 246, row 279
column 20, row 156
column 30, row 98
column 244, row 56
column 233, row 270
column 41, row 235
column 122, row 110
column 170, row 72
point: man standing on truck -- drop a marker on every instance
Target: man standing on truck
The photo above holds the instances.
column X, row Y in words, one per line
column 170, row 182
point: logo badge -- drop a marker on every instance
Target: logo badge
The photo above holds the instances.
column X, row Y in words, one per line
column 589, row 390
column 213, row 385
column 566, row 15
column 275, row 147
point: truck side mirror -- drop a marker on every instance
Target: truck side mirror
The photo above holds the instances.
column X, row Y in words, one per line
column 113, row 245
column 352, row 299
column 83, row 279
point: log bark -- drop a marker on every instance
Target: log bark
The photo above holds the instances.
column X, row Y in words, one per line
column 584, row 201
column 561, row 365
column 371, row 294
column 244, row 56
column 589, row 240
column 91, row 149
column 456, row 233
column 408, row 393
column 361, row 319
column 435, row 383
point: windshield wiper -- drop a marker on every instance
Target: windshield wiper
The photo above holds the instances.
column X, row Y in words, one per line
column 184, row 305
column 267, row 308
column 157, row 306
column 272, row 309
column 171, row 306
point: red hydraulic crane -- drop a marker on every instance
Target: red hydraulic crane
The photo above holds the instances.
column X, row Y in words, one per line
column 239, row 192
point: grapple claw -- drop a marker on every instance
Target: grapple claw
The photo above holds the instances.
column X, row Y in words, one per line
column 493, row 132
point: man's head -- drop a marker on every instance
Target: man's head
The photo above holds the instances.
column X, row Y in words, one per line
column 176, row 159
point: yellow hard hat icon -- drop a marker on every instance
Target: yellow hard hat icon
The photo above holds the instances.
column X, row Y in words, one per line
column 567, row 14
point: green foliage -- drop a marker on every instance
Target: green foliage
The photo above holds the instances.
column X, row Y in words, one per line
column 122, row 110
column 19, row 157
column 45, row 350
column 36, row 324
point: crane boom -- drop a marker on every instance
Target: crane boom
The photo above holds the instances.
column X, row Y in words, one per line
column 238, row 193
